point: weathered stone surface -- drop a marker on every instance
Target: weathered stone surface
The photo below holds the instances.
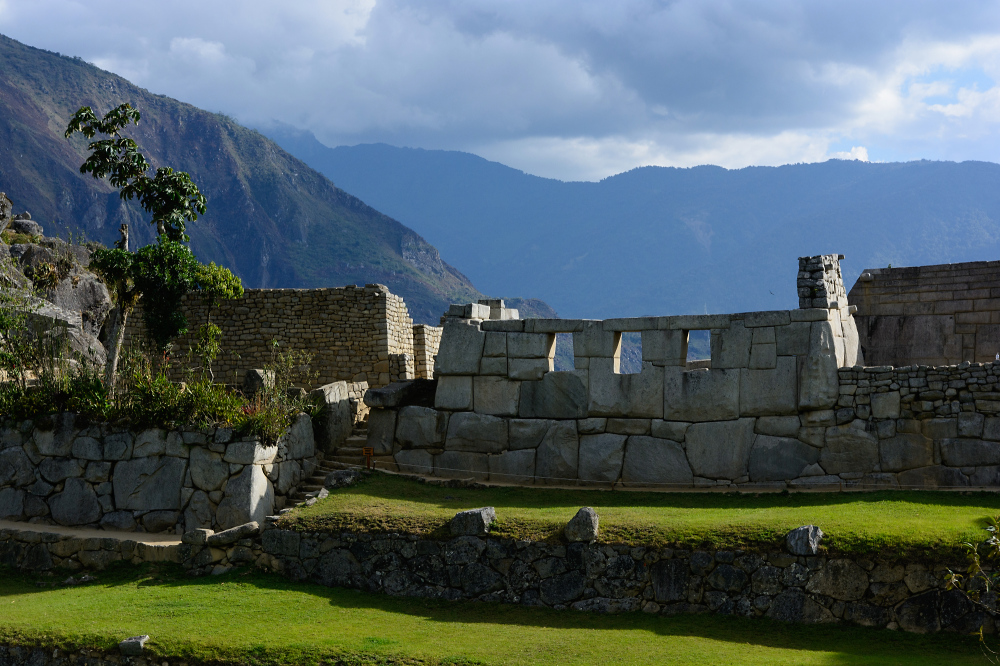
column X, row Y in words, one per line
column 601, row 457
column 849, row 448
column 559, row 395
column 234, row 534
column 289, row 476
column 727, row 578
column 583, row 527
column 531, row 345
column 819, row 382
column 461, row 348
column 840, row 579
column 701, row 395
column 769, row 392
column 496, row 395
column 919, row 614
column 674, row 430
column 793, row 339
column 54, row 434
column 76, row 505
column 527, row 433
column 885, row 405
column 934, row 476
column 804, row 541
column 636, row 395
column 780, row 458
column 159, row 521
column 654, row 461
column 299, row 441
column 341, row 478
column 132, row 647
column 528, row 368
column 665, row 347
column 454, row 392
column 991, row 428
column 793, row 605
column 152, row 442
column 281, row 542
column 118, row 446
column 462, row 465
column 594, row 341
column 906, row 451
column 249, row 498
column 16, row 468
column 120, row 520
column 474, row 522
column 557, row 457
column 415, row 461
column 11, row 504
column 420, row 428
column 720, row 450
column 969, row 452
column 199, row 512
column 248, row 453
column 55, row 470
column 731, row 346
column 149, row 484
column 778, row 426
column 418, row 392
column 334, row 422
column 381, row 429
column 562, row 589
column 940, row 428
column 86, row 448
column 513, row 466
column 970, row 424
column 767, row 580
column 208, row 471
column 479, row 433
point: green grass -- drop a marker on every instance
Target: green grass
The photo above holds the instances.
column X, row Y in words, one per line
column 915, row 524
column 254, row 618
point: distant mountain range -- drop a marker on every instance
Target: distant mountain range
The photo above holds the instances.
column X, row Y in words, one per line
column 665, row 240
column 272, row 219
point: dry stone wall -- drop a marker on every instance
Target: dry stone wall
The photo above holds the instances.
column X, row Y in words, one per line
column 929, row 315
column 355, row 334
column 426, row 340
column 63, row 470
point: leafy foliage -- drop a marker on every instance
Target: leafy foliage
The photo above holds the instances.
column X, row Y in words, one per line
column 980, row 579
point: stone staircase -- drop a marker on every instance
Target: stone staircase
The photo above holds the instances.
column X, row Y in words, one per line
column 312, row 484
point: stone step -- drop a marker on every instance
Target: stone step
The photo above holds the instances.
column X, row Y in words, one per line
column 355, row 441
column 349, row 451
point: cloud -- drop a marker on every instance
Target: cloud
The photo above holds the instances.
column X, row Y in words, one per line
column 567, row 88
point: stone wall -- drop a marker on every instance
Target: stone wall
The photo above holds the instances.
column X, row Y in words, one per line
column 426, row 340
column 63, row 470
column 354, row 333
column 929, row 315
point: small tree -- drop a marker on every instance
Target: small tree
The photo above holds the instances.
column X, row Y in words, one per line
column 165, row 271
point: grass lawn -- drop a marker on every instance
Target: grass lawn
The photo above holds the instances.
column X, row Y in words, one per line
column 895, row 522
column 256, row 618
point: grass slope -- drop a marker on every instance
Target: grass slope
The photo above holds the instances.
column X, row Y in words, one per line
column 253, row 618
column 921, row 524
column 271, row 219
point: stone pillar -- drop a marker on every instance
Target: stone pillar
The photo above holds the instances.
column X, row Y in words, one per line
column 820, row 284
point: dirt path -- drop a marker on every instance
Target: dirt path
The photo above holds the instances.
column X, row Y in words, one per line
column 82, row 533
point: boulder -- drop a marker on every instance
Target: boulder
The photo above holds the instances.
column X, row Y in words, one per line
column 793, row 605
column 82, row 291
column 199, row 512
column 123, row 521
column 149, row 484
column 720, row 450
column 11, row 504
column 474, row 522
column 421, row 427
column 256, row 380
column 780, row 458
column 341, row 478
column 299, row 441
column 920, row 614
column 54, row 435
column 334, row 423
column 513, row 466
column 250, row 452
column 132, row 647
column 152, row 442
column 27, row 226
column 584, row 526
column 601, row 457
column 87, row 448
column 233, row 534
column 670, row 580
column 804, row 541
column 208, row 470
column 55, row 470
column 249, row 498
column 654, row 461
column 479, row 433
column 557, row 457
column 76, row 505
column 16, row 468
column 160, row 521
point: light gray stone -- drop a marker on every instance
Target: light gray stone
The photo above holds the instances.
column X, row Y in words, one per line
column 492, row 366
column 531, row 345
column 11, row 504
column 701, row 395
column 654, row 461
column 249, row 498
column 619, row 426
column 208, row 471
column 763, row 357
column 559, row 395
column 529, row 369
column 496, row 395
column 178, row 449
column 421, row 427
column 132, row 647
column 583, row 527
column 780, row 458
column 513, row 466
column 54, row 434
column 454, row 392
column 152, row 442
column 905, row 451
column 849, row 448
column 557, row 459
column 885, row 405
column 594, row 341
column 969, row 452
column 461, row 348
column 381, row 429
column 636, row 395
column 462, row 465
column 87, row 448
column 299, row 440
column 720, row 450
column 674, row 430
column 289, row 476
column 819, row 381
column 804, row 541
column 527, row 433
column 334, row 422
column 474, row 522
column 601, row 457
column 415, row 461
column 76, row 505
column 496, row 344
column 840, row 579
column 769, row 392
column 246, row 453
column 149, row 484
column 779, row 426
column 199, row 512
column 478, row 433
column 731, row 346
column 793, row 339
column 665, row 347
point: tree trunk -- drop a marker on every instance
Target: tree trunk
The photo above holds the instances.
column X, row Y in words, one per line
column 115, row 348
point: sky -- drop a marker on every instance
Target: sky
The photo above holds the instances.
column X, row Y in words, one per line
column 567, row 89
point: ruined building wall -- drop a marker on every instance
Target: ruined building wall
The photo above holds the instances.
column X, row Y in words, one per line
column 929, row 315
column 426, row 340
column 356, row 334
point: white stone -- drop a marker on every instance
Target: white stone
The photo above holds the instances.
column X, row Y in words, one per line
column 249, row 498
column 557, row 459
column 601, row 457
column 246, row 453
column 461, row 348
column 769, row 392
column 513, row 466
column 701, row 395
column 635, row 395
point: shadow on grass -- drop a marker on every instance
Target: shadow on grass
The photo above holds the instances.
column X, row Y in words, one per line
column 846, row 644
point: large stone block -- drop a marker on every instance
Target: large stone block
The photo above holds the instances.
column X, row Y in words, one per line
column 381, row 429
column 149, row 484
column 531, row 345
column 454, row 392
column 152, row 442
column 16, row 468
column 793, row 340
column 11, row 504
column 934, row 476
column 249, row 497
column 655, row 462
column 419, row 428
column 779, row 426
column 819, row 381
column 249, row 452
column 513, row 466
column 334, row 422
column 559, row 395
column 769, row 392
column 557, row 457
column 853, row 354
column 77, row 504
column 55, row 470
column 415, row 461
column 478, row 433
column 527, row 433
column 665, row 347
column 721, row 449
column 208, row 470
column 637, row 395
column 780, row 458
column 496, row 395
column 849, row 448
column 54, row 434
column 85, row 448
column 701, row 395
column 529, row 369
column 840, row 579
column 461, row 348
column 674, row 430
column 299, row 440
column 601, row 457
column 496, row 344
column 969, row 452
column 991, row 429
column 118, row 446
column 594, row 341
column 905, row 451
column 462, row 465
column 731, row 346
column 885, row 405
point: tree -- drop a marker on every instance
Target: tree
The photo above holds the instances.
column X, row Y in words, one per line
column 162, row 272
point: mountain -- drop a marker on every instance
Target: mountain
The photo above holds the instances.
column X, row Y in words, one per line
column 660, row 240
column 271, row 219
